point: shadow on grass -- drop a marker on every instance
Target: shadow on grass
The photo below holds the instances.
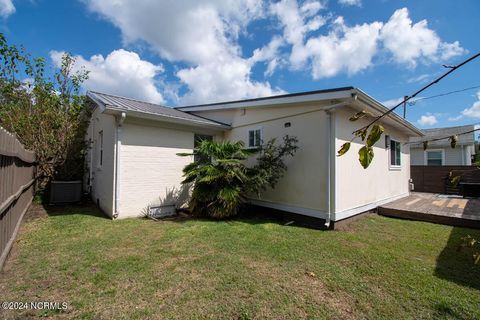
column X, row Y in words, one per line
column 457, row 266
column 84, row 208
column 445, row 311
column 260, row 215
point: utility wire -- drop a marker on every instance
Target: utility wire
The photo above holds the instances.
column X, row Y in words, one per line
column 411, row 103
column 407, row 98
column 444, row 138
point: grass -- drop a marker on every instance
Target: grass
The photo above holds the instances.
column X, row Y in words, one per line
column 380, row 268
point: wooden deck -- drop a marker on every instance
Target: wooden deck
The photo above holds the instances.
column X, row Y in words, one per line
column 436, row 208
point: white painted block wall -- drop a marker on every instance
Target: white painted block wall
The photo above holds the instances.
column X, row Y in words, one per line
column 150, row 170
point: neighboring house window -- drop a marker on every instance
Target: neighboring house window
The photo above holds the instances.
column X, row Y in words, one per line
column 434, row 158
column 254, row 138
column 100, row 148
column 395, row 153
column 196, row 142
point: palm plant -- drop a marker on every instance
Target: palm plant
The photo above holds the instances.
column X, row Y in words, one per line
column 221, row 179
column 218, row 176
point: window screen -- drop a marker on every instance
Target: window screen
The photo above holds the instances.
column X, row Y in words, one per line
column 255, row 138
column 395, row 153
column 100, row 148
column 434, row 158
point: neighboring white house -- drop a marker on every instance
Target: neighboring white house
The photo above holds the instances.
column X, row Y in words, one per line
column 440, row 153
column 134, row 166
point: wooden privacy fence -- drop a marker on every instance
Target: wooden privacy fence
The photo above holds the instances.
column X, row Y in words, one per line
column 17, row 172
column 432, row 178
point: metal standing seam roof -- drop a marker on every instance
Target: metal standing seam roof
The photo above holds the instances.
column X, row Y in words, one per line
column 128, row 104
column 448, row 131
column 436, row 133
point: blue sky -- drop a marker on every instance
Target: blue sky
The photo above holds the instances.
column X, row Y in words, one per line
column 199, row 51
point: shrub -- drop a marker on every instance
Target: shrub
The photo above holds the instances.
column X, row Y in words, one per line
column 46, row 113
column 222, row 180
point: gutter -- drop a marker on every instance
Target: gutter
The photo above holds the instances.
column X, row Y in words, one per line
column 118, row 144
column 331, row 138
column 201, row 122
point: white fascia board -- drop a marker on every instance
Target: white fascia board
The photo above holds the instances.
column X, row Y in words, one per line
column 98, row 102
column 170, row 119
column 272, row 102
column 380, row 108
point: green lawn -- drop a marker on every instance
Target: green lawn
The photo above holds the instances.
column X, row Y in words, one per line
column 380, row 268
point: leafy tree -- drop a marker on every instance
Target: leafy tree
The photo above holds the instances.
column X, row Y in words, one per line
column 222, row 180
column 46, row 113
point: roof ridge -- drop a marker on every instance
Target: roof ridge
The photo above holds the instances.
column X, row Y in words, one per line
column 285, row 95
column 453, row 127
column 130, row 99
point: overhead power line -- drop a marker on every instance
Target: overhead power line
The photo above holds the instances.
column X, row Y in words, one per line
column 411, row 103
column 447, row 137
column 407, row 98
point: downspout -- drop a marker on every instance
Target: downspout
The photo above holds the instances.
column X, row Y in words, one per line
column 118, row 144
column 91, row 151
column 329, row 168
column 331, row 155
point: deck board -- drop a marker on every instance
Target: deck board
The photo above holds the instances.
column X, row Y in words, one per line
column 436, row 208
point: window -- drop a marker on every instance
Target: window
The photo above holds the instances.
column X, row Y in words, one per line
column 254, row 138
column 100, row 148
column 196, row 142
column 395, row 153
column 434, row 158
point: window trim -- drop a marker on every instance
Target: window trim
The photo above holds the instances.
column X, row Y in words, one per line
column 100, row 152
column 248, row 137
column 391, row 166
column 425, row 156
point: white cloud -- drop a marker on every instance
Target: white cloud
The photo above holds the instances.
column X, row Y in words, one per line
column 351, row 49
column 6, row 8
column 455, row 118
column 121, row 72
column 190, row 30
column 269, row 53
column 427, row 119
column 297, row 22
column 204, row 34
column 345, row 49
column 357, row 3
column 392, row 102
column 474, row 110
column 222, row 81
column 421, row 78
column 408, row 42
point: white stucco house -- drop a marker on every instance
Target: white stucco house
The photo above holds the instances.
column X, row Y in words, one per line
column 133, row 163
column 440, row 153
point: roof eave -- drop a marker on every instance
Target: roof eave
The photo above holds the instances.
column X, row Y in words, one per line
column 337, row 94
column 167, row 118
column 98, row 102
column 381, row 108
